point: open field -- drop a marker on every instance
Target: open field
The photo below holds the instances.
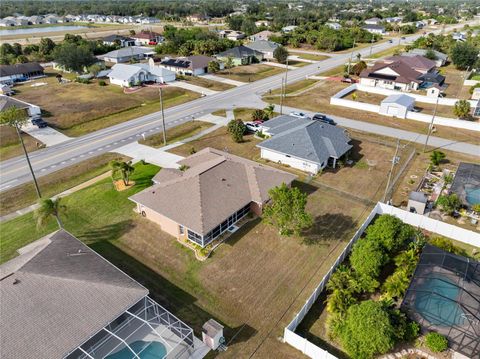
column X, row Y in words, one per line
column 253, row 283
column 10, row 144
column 177, row 133
column 318, row 100
column 55, row 183
column 203, row 82
column 454, row 79
column 250, row 73
column 336, row 71
column 76, row 109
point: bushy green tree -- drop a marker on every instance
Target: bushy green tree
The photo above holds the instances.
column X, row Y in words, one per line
column 464, row 55
column 461, row 109
column 396, row 285
column 46, row 47
column 286, row 210
column 259, row 115
column 367, row 330
column 213, row 66
column 236, row 128
column 339, row 301
column 436, row 342
column 73, row 57
column 430, row 54
column 367, row 259
column 280, row 54
column 390, row 232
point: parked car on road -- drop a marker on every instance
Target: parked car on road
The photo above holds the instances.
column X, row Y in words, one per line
column 299, row 115
column 40, row 123
column 253, row 127
column 390, row 41
column 323, row 118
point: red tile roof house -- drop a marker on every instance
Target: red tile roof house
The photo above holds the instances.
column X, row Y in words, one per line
column 210, row 196
column 147, row 38
column 398, row 73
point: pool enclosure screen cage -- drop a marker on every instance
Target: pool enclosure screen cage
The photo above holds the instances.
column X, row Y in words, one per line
column 135, row 330
column 444, row 296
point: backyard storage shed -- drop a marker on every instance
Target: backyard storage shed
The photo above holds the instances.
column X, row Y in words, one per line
column 417, row 201
column 397, row 105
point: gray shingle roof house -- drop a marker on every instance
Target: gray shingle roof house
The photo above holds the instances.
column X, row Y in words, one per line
column 441, row 58
column 264, row 46
column 58, row 294
column 126, row 54
column 204, row 201
column 241, row 55
column 20, row 72
column 304, row 144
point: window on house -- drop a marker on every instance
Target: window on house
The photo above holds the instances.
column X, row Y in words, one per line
column 181, row 229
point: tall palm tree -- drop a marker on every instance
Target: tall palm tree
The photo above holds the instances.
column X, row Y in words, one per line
column 124, row 168
column 269, row 110
column 16, row 118
column 47, row 209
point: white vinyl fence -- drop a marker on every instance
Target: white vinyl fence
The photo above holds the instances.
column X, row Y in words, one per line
column 426, row 118
column 414, row 219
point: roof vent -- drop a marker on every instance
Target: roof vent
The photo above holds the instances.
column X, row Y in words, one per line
column 79, row 253
column 224, row 179
column 16, row 281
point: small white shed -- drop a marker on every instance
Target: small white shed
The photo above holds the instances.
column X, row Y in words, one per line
column 417, row 202
column 397, row 105
column 212, row 334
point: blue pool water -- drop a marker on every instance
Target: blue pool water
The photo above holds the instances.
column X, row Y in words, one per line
column 473, row 195
column 440, row 309
column 151, row 350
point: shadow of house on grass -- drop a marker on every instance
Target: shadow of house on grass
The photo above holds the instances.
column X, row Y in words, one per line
column 328, row 227
column 106, row 233
column 173, row 298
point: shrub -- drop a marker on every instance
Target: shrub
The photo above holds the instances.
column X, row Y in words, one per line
column 192, row 150
column 102, row 83
column 437, row 157
column 236, row 128
column 367, row 259
column 259, row 115
column 448, row 203
column 339, row 301
column 412, row 331
column 396, row 285
column 367, row 330
column 390, row 232
column 82, row 80
column 447, row 245
column 436, row 342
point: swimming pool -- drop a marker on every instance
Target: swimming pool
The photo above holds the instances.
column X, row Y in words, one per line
column 436, row 301
column 149, row 350
column 472, row 195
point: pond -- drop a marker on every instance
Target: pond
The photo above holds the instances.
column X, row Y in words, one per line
column 37, row 30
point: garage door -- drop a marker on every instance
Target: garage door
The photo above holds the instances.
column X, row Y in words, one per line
column 392, row 111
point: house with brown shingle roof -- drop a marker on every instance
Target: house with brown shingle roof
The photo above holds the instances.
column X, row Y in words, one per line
column 403, row 73
column 215, row 191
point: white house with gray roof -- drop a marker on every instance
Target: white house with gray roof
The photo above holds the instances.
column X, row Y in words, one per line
column 307, row 145
column 126, row 75
column 60, row 299
column 127, row 54
column 267, row 48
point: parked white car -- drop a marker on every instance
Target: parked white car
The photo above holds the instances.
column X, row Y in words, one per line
column 300, row 115
column 253, row 127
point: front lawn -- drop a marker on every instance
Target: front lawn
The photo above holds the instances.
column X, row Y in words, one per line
column 76, row 109
column 250, row 73
column 209, row 84
column 10, row 145
column 308, row 56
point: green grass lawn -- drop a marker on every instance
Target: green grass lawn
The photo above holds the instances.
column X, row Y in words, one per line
column 98, row 212
column 307, row 56
column 250, row 73
column 54, row 183
column 209, row 84
column 296, row 86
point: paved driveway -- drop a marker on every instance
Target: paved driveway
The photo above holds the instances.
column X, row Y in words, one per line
column 47, row 135
column 152, row 155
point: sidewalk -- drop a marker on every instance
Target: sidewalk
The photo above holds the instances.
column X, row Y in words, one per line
column 187, row 86
column 223, row 79
column 275, row 64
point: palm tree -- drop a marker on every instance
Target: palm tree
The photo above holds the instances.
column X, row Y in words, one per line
column 48, row 208
column 16, row 117
column 269, row 110
column 124, row 168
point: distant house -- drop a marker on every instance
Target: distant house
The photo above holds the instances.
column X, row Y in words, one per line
column 6, row 102
column 466, row 183
column 198, row 18
column 190, row 65
column 393, row 20
column 440, row 60
column 374, row 29
column 262, row 35
column 127, row 54
column 303, row 144
column 417, row 202
column 289, row 29
column 131, row 75
column 7, row 23
column 120, row 40
column 150, row 20
column 147, row 38
column 35, row 20
column 260, row 23
column 396, row 105
column 20, row 72
column 240, row 55
column 267, row 48
column 231, row 35
column 373, row 21
column 216, row 191
column 82, row 306
column 334, row 25
column 459, row 36
column 50, row 19
column 403, row 73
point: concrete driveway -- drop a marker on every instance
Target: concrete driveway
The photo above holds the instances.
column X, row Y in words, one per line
column 47, row 135
column 152, row 155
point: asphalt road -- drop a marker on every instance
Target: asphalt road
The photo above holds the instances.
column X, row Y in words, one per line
column 15, row 171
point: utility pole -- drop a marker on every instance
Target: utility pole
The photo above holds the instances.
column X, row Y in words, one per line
column 394, row 162
column 281, row 98
column 430, row 127
column 351, row 54
column 163, row 117
column 371, row 46
column 37, row 188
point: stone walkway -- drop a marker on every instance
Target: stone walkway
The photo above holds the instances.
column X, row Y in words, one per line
column 46, row 135
column 223, row 79
column 188, row 86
